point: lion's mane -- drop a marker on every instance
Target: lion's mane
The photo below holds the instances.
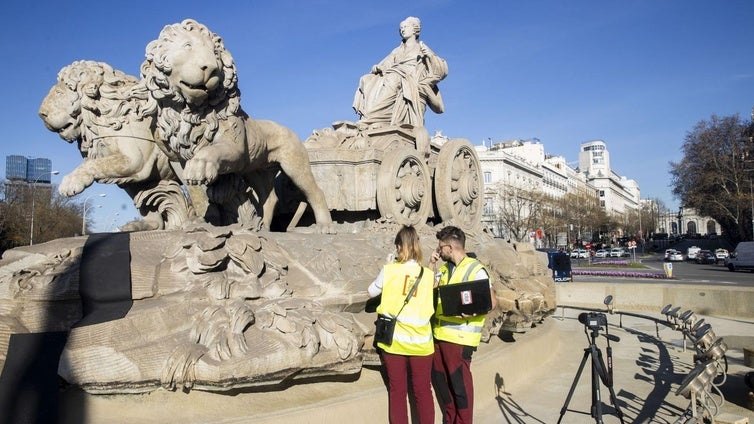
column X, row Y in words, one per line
column 168, row 104
column 106, row 98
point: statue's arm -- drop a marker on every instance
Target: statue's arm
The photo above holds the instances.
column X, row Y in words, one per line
column 385, row 63
column 436, row 65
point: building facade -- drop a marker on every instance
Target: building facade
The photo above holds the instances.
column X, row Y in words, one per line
column 617, row 194
column 510, row 170
column 523, row 164
column 32, row 170
column 27, row 178
column 690, row 223
column 15, row 168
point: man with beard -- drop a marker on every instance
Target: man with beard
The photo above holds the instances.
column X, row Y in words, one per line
column 456, row 337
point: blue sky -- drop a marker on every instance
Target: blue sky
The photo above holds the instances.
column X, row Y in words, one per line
column 636, row 74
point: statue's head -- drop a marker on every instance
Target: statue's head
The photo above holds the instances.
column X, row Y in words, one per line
column 81, row 88
column 410, row 26
column 188, row 64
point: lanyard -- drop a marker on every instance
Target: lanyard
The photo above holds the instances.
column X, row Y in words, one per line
column 411, row 292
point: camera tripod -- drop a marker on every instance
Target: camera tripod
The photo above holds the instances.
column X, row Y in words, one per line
column 599, row 372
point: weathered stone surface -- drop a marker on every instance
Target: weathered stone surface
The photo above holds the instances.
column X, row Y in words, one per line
column 192, row 82
column 262, row 309
column 182, row 123
column 98, row 108
column 224, row 307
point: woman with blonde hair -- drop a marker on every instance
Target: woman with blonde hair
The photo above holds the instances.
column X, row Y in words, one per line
column 406, row 288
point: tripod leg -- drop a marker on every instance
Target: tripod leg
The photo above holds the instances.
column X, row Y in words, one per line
column 609, row 384
column 573, row 385
column 596, row 399
column 609, row 351
column 614, row 402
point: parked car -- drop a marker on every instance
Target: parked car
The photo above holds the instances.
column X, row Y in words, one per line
column 579, row 254
column 692, row 252
column 617, row 252
column 721, row 255
column 602, row 253
column 672, row 255
column 705, row 257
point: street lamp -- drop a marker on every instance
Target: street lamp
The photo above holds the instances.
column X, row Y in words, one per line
column 112, row 222
column 751, row 194
column 33, row 186
column 83, row 217
column 641, row 233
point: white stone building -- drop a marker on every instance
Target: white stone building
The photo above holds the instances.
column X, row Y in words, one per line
column 524, row 164
column 515, row 164
column 688, row 221
column 617, row 194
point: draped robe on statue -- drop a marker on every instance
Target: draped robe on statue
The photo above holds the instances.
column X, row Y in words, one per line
column 401, row 86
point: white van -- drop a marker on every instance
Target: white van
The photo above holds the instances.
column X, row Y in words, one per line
column 692, row 252
column 742, row 257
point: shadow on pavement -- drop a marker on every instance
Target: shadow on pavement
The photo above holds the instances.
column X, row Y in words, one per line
column 658, row 368
column 511, row 410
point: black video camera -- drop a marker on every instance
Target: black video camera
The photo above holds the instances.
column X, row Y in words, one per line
column 593, row 320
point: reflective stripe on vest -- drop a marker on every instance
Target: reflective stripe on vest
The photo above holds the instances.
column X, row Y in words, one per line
column 460, row 327
column 417, row 322
column 412, row 339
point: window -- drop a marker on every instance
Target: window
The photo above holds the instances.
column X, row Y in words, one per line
column 487, row 177
column 602, row 193
column 594, row 147
column 489, row 208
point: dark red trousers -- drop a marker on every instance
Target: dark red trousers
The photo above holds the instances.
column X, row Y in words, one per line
column 451, row 378
column 398, row 368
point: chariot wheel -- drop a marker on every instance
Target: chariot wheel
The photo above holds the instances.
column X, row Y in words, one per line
column 458, row 185
column 404, row 187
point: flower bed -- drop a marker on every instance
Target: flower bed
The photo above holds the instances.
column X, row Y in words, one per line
column 611, row 263
column 616, row 273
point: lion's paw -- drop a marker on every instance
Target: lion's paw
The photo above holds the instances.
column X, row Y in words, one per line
column 73, row 184
column 327, row 228
column 201, row 171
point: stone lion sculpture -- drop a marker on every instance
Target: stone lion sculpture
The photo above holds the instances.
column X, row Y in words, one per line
column 195, row 99
column 95, row 106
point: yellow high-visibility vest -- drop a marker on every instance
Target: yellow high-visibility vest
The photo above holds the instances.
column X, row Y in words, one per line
column 413, row 330
column 463, row 331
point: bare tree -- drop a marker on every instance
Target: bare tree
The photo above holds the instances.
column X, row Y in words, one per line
column 578, row 215
column 55, row 216
column 713, row 178
column 518, row 210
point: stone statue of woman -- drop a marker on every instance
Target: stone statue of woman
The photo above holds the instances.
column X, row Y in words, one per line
column 400, row 87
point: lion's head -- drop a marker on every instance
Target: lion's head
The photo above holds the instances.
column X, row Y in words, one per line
column 188, row 64
column 191, row 78
column 88, row 96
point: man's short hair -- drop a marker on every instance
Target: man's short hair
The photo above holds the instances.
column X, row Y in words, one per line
column 452, row 234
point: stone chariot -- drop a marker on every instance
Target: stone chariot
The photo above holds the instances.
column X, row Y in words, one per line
column 387, row 170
